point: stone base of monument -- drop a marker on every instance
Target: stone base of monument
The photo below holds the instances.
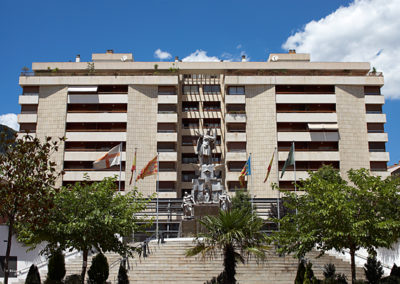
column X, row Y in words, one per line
column 191, row 227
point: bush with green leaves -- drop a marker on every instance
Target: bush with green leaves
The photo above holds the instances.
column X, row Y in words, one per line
column 122, row 275
column 329, row 271
column 395, row 271
column 301, row 269
column 99, row 270
column 56, row 267
column 73, row 279
column 373, row 270
column 33, row 276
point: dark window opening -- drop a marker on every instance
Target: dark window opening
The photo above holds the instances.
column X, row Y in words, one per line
column 305, row 89
column 190, row 106
column 236, row 90
column 87, row 146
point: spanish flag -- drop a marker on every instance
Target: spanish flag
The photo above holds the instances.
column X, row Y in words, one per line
column 269, row 167
column 246, row 171
column 150, row 169
column 133, row 168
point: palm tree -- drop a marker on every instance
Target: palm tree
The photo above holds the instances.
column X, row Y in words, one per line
column 237, row 233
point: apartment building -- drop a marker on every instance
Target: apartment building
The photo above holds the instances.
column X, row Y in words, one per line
column 331, row 110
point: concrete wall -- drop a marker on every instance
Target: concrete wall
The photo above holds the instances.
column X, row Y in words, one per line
column 261, row 138
column 52, row 111
column 353, row 136
column 141, row 133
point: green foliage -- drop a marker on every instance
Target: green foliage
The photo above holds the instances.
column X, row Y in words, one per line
column 8, row 135
column 329, row 271
column 217, row 280
column 33, row 276
column 395, row 271
column 122, row 275
column 373, row 270
column 301, row 270
column 90, row 68
column 242, row 200
column 56, row 267
column 236, row 233
column 309, row 274
column 73, row 279
column 99, row 270
column 390, row 280
column 335, row 214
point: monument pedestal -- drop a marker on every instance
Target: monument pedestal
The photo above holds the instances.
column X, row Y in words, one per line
column 191, row 227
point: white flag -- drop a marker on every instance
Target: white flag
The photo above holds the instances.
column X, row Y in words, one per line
column 112, row 158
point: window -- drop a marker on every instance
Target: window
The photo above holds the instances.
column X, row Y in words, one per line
column 190, row 106
column 188, row 158
column 375, row 128
column 166, row 108
column 212, row 123
column 378, row 166
column 189, row 140
column 373, row 108
column 122, row 89
column 305, row 89
column 167, row 166
column 12, row 266
column 166, row 147
column 190, row 89
column 166, row 186
column 91, row 146
column 377, row 146
column 236, row 146
column 236, row 108
column 211, row 106
column 166, row 127
column 211, row 88
column 236, row 90
column 372, row 90
column 236, row 127
column 190, row 123
column 166, row 90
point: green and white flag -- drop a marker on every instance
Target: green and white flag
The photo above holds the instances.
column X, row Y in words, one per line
column 289, row 160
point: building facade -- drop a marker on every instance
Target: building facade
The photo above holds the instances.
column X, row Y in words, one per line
column 332, row 111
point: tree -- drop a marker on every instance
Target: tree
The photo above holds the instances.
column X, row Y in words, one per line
column 242, row 200
column 56, row 268
column 333, row 214
column 33, row 276
column 122, row 275
column 373, row 270
column 27, row 184
column 90, row 215
column 237, row 233
column 99, row 270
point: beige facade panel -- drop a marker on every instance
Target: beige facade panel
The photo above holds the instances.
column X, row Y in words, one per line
column 167, row 117
column 27, row 118
column 97, row 80
column 376, row 100
column 353, row 144
column 229, row 117
column 376, row 117
column 97, row 99
column 28, row 99
column 166, row 99
column 232, row 176
column 193, row 131
column 167, row 194
column 86, row 156
column 167, row 156
column 236, row 156
column 305, row 99
column 312, row 156
column 96, row 136
column 189, row 167
column 308, row 136
column 97, row 117
column 381, row 174
column 377, row 137
column 236, row 137
column 21, row 135
column 379, row 156
column 167, row 176
column 289, row 175
column 166, row 137
column 93, row 175
column 306, row 117
column 304, row 80
column 235, row 99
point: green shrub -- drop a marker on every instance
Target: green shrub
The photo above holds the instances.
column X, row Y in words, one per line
column 309, row 275
column 395, row 271
column 390, row 280
column 373, row 270
column 341, row 278
column 56, row 267
column 122, row 275
column 216, row 280
column 301, row 269
column 329, row 271
column 98, row 271
column 33, row 276
column 73, row 279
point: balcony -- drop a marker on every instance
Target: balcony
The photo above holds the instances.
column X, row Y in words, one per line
column 312, row 156
column 308, row 136
column 98, row 99
column 96, row 136
column 289, row 175
column 93, row 175
column 236, row 137
column 168, row 99
column 377, row 137
column 306, row 117
column 377, row 99
column 379, row 156
column 235, row 99
column 161, row 137
column 167, row 176
column 236, row 156
column 167, row 156
column 232, row 176
column 376, row 118
column 167, row 117
column 86, row 156
column 305, row 99
column 27, row 118
column 28, row 99
column 97, row 117
column 229, row 118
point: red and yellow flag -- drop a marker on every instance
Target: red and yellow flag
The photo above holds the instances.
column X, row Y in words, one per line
column 150, row 169
column 269, row 167
column 133, row 168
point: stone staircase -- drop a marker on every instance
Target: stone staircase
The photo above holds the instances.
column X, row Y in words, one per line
column 167, row 263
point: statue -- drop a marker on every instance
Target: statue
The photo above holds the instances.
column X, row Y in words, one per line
column 224, row 201
column 205, row 146
column 187, row 205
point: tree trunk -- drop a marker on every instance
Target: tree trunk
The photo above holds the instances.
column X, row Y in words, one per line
column 84, row 265
column 229, row 265
column 353, row 264
column 8, row 251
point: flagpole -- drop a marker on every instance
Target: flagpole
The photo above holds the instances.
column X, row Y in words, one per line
column 279, row 193
column 158, row 181
column 134, row 183
column 120, row 166
column 294, row 168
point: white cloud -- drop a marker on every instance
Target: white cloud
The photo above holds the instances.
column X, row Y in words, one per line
column 162, row 55
column 9, row 119
column 366, row 30
column 200, row 56
column 239, row 46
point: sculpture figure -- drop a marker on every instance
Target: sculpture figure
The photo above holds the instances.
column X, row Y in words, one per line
column 205, row 146
column 187, row 205
column 224, row 201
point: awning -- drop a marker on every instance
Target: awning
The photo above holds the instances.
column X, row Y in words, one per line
column 323, row 126
column 82, row 89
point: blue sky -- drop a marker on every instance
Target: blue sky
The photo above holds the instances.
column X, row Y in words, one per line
column 331, row 30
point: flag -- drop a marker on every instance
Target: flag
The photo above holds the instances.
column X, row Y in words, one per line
column 111, row 158
column 150, row 169
column 269, row 167
column 289, row 160
column 246, row 171
column 133, row 168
